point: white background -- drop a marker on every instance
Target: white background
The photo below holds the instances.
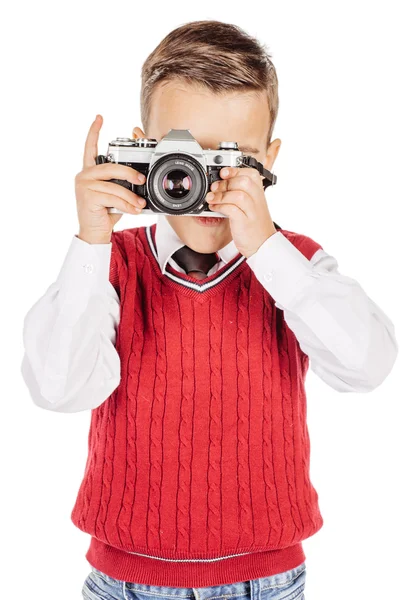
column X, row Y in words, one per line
column 338, row 168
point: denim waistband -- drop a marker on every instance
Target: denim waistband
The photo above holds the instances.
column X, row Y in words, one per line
column 251, row 588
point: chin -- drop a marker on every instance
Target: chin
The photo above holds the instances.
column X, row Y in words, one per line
column 214, row 229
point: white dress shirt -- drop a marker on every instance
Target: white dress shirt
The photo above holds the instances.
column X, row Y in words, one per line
column 70, row 362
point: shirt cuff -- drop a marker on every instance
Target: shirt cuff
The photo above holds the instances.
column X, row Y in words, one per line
column 86, row 268
column 283, row 270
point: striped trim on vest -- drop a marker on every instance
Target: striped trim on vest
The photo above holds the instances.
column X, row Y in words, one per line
column 199, row 287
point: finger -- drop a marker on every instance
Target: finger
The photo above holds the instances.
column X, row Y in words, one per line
column 244, row 183
column 109, row 200
column 229, row 172
column 115, row 171
column 230, row 210
column 92, row 139
column 117, row 190
column 237, row 198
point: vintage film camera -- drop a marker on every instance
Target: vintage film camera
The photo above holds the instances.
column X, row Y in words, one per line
column 179, row 172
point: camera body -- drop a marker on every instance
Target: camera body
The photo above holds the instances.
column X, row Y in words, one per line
column 179, row 172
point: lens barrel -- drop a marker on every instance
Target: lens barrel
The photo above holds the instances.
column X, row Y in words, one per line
column 177, row 184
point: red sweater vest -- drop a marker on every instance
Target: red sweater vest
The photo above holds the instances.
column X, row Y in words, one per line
column 198, row 463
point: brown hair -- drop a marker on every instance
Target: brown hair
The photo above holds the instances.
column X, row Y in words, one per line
column 219, row 56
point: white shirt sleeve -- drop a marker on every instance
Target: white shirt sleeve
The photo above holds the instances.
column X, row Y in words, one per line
column 70, row 362
column 350, row 341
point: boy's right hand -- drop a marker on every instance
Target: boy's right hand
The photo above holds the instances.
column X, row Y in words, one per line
column 94, row 193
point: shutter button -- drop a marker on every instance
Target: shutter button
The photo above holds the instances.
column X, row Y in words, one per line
column 88, row 268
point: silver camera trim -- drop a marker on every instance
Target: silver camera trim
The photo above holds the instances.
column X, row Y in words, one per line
column 149, row 151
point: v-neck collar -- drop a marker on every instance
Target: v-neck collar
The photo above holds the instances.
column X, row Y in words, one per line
column 199, row 289
column 168, row 242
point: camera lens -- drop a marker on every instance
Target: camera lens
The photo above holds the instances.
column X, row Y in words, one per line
column 177, row 184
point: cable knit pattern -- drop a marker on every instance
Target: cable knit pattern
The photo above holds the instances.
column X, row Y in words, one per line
column 214, row 466
column 274, row 516
column 182, row 537
column 87, row 483
column 245, row 516
column 289, row 448
column 157, row 407
column 129, row 459
column 198, row 463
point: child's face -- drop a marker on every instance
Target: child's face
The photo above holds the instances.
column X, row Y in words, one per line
column 242, row 117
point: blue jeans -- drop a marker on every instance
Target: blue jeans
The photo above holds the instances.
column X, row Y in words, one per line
column 288, row 585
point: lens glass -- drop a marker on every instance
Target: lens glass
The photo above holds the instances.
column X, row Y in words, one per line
column 177, row 184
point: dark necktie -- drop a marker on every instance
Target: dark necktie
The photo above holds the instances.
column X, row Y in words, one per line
column 196, row 264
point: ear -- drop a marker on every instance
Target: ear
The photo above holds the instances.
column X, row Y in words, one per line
column 138, row 133
column 272, row 153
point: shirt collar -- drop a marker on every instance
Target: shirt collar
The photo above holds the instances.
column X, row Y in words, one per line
column 168, row 242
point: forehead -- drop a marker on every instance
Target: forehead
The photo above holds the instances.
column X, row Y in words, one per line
column 241, row 116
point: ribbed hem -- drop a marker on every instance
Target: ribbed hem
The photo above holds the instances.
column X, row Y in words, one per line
column 149, row 571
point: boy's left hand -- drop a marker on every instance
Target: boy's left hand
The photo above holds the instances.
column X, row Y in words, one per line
column 240, row 195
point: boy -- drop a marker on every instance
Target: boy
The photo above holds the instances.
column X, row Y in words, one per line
column 190, row 343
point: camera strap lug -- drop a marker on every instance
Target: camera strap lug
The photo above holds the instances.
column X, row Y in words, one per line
column 268, row 177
